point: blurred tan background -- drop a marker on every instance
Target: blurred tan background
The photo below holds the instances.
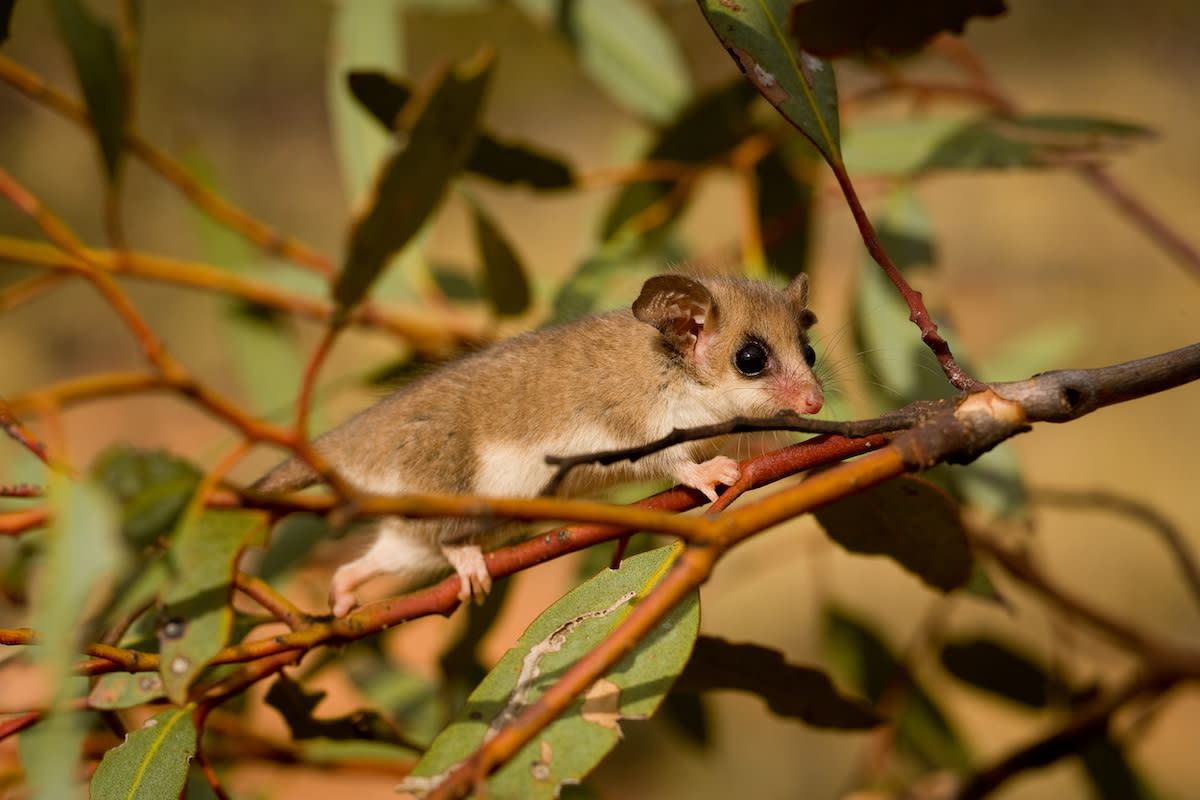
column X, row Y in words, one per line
column 244, row 84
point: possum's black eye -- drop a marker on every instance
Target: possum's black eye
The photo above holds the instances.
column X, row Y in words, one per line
column 751, row 359
column 810, row 355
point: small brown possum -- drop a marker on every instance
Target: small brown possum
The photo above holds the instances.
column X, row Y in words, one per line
column 689, row 352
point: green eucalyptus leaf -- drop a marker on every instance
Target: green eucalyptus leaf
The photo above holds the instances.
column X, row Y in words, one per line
column 363, row 34
column 196, row 616
column 507, row 163
column 503, row 273
column 1031, row 141
column 1111, row 774
column 1003, row 670
column 153, row 761
column 96, row 57
column 571, row 746
column 413, row 182
column 626, row 49
column 297, row 704
column 908, row 520
column 785, row 206
column 706, row 129
column 513, row 163
column 801, row 85
column 790, row 690
column 83, row 557
column 153, row 487
column 867, row 662
column 881, row 28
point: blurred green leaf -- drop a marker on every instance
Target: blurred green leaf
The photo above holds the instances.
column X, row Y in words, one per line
column 906, row 230
column 456, row 284
column 1003, row 670
column 503, row 273
column 785, row 206
column 414, row 181
column 383, row 97
column 1111, row 775
column 6, row 11
column 504, row 162
column 572, row 745
column 196, row 615
column 895, row 146
column 1031, row 141
column 292, row 540
column 867, row 662
column 581, row 293
column 83, row 557
column 152, row 763
column 708, row 128
column 153, row 487
column 626, row 49
column 97, row 61
column 792, row 691
column 880, row 28
column 800, row 85
column 261, row 344
column 297, row 704
column 365, row 34
column 908, row 520
column 688, row 715
column 516, row 163
column 126, row 690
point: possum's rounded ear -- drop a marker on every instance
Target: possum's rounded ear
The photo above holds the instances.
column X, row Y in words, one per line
column 676, row 305
column 797, row 295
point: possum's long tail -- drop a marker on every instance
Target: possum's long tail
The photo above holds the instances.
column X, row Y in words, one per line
column 290, row 476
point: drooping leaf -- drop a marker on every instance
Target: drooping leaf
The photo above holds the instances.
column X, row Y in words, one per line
column 801, row 85
column 708, row 128
column 785, row 206
column 512, row 163
column 504, row 162
column 790, row 690
column 83, row 556
column 455, row 283
column 1031, row 141
column 6, row 12
column 1005, row 671
column 196, row 615
column 626, row 49
column 297, row 705
column 413, row 181
column 867, row 662
column 152, row 763
column 1111, row 775
column 908, row 520
column 382, row 96
column 831, row 28
column 503, row 273
column 97, row 61
column 572, row 745
column 153, row 487
column 688, row 716
column 365, row 34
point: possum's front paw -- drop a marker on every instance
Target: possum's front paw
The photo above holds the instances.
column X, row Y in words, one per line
column 706, row 476
column 341, row 590
column 474, row 579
